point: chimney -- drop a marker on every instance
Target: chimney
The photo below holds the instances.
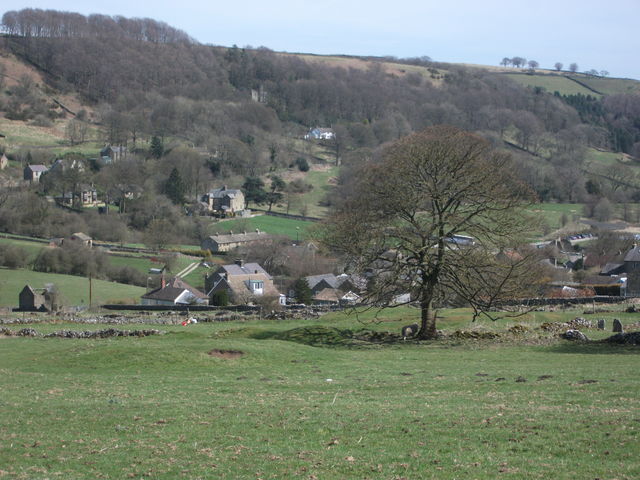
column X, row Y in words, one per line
column 224, row 187
column 239, row 262
column 163, row 282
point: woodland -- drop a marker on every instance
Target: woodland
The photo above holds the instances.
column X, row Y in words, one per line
column 196, row 116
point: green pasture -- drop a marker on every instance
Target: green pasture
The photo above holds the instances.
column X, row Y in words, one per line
column 32, row 248
column 304, row 399
column 551, row 83
column 74, row 290
column 310, row 202
column 598, row 158
column 265, row 223
column 22, row 136
column 610, row 86
column 552, row 213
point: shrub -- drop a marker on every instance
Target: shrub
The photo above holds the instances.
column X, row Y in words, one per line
column 302, row 292
column 221, row 298
column 299, row 186
column 302, row 164
column 41, row 121
column 13, row 257
column 127, row 275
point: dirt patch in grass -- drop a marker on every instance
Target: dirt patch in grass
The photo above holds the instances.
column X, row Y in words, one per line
column 216, row 352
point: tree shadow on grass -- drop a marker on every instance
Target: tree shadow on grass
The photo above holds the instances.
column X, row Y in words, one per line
column 318, row 335
column 595, row 348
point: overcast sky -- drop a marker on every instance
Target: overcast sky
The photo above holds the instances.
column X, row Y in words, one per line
column 594, row 34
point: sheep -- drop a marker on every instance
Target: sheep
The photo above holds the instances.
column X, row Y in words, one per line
column 410, row 331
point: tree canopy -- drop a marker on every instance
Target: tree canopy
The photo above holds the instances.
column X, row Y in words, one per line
column 402, row 215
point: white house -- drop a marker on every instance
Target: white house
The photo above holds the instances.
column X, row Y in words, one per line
column 320, row 134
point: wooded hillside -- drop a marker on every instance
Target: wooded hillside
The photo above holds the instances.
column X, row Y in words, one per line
column 247, row 109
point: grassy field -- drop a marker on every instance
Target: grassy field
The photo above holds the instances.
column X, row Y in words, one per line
column 551, row 83
column 565, row 86
column 22, row 136
column 552, row 212
column 322, row 182
column 611, row 86
column 74, row 290
column 32, row 248
column 265, row 223
column 164, row 407
column 390, row 67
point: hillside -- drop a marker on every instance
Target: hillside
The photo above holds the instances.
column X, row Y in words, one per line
column 221, row 116
column 74, row 290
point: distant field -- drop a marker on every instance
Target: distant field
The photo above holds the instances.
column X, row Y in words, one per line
column 322, row 181
column 75, row 290
column 303, row 399
column 22, row 136
column 266, row 223
column 362, row 64
column 551, row 83
column 32, row 248
column 611, row 86
column 552, row 213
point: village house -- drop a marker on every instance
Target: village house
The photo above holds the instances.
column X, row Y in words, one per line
column 175, row 291
column 32, row 173
column 242, row 282
column 84, row 196
column 111, row 154
column 335, row 289
column 320, row 134
column 227, row 242
column 223, row 201
column 64, row 164
column 632, row 269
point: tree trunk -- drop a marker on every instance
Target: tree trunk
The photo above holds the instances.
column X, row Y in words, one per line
column 428, row 321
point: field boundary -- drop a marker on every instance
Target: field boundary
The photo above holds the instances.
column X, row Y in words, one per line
column 583, row 85
column 287, row 215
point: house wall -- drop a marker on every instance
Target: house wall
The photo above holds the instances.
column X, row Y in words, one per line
column 210, row 244
column 149, row 301
column 29, row 301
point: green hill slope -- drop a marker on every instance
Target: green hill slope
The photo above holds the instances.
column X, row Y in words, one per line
column 74, row 290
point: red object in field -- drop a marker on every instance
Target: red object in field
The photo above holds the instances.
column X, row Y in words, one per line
column 184, row 324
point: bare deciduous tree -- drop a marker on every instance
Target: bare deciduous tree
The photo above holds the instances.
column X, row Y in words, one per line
column 402, row 213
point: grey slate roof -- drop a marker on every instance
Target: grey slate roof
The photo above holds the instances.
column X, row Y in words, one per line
column 246, row 269
column 335, row 281
column 222, row 192
column 612, row 269
column 633, row 255
column 238, row 237
column 172, row 290
column 330, row 278
column 37, row 168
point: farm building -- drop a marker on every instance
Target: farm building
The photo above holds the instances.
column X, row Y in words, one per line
column 37, row 299
column 226, row 242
